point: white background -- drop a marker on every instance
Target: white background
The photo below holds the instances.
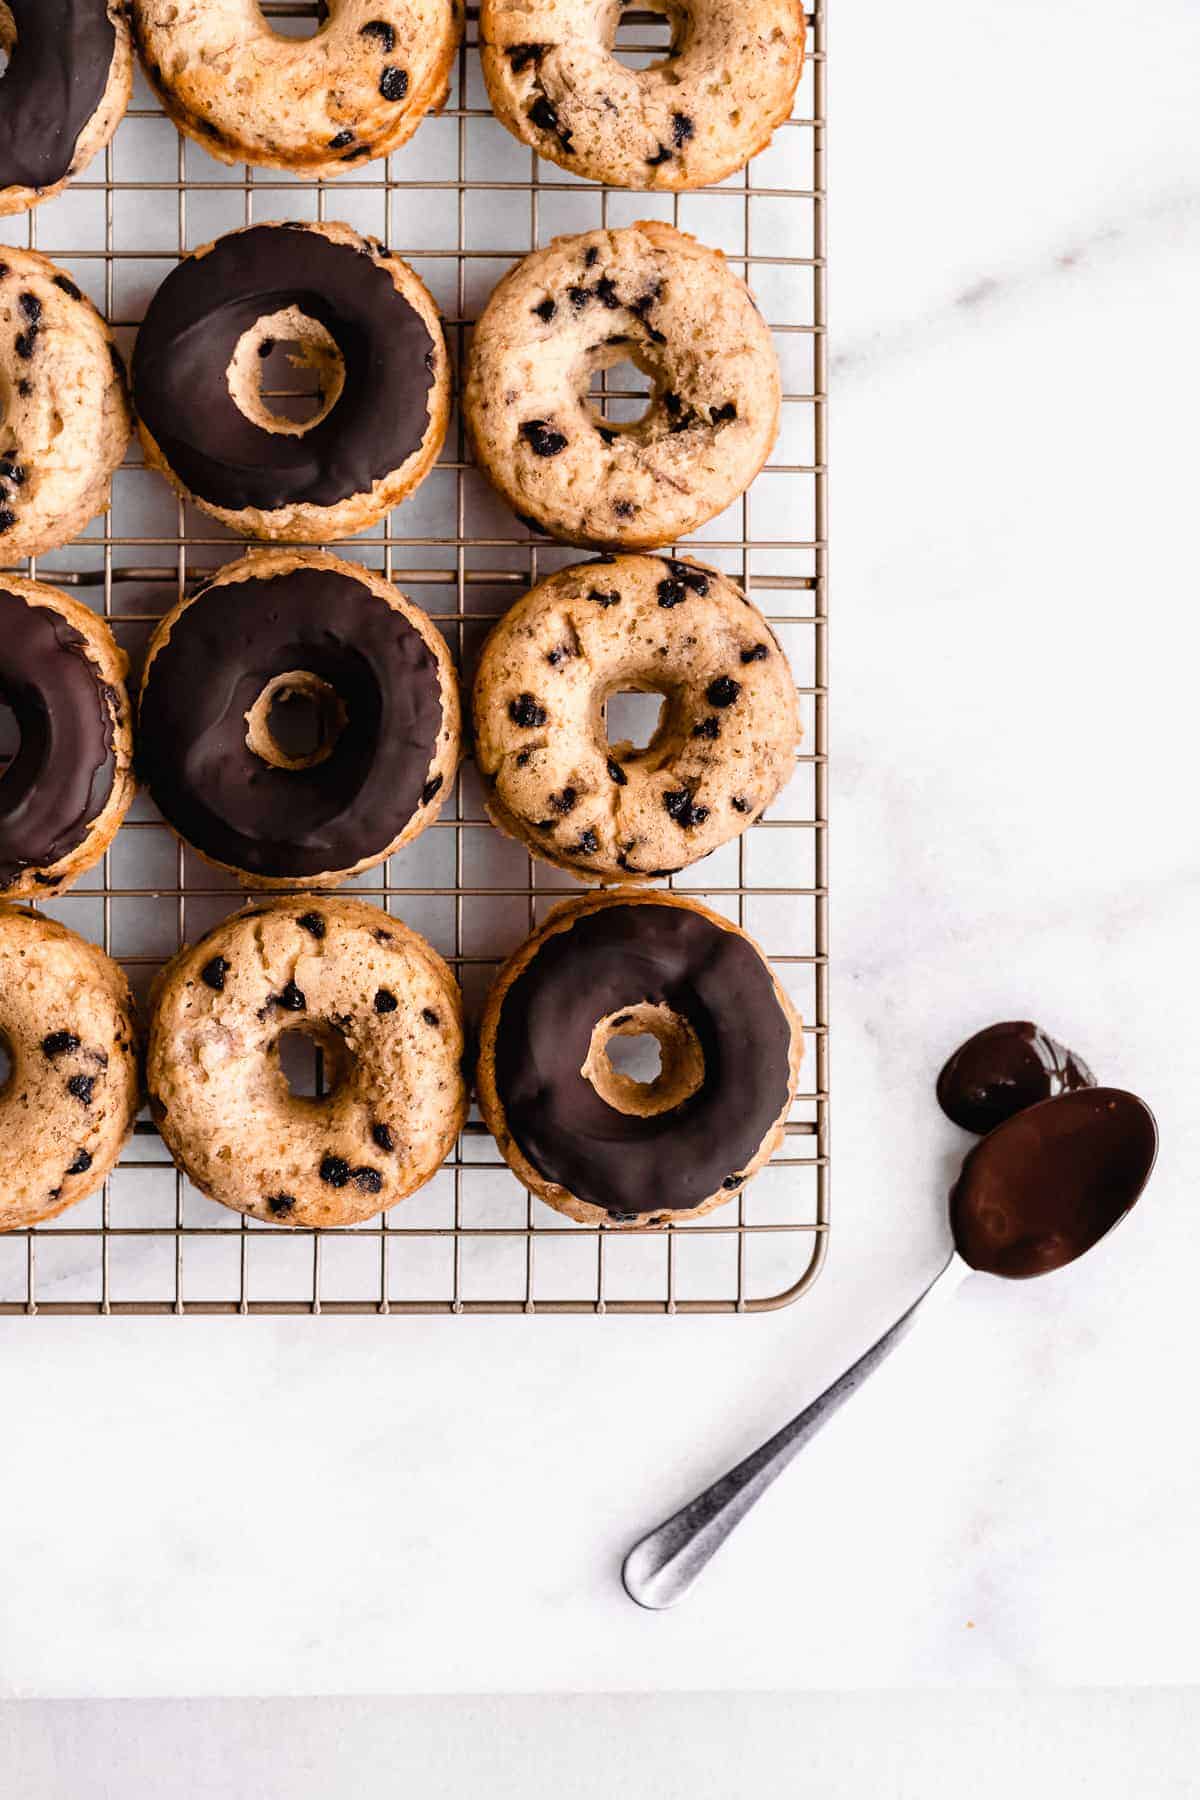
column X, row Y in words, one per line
column 299, row 1506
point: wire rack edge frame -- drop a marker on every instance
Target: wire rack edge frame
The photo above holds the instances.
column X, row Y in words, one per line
column 458, row 576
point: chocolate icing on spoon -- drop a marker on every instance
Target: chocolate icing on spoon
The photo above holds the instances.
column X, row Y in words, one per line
column 1002, row 1070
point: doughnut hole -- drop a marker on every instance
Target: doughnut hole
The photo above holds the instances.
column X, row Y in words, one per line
column 296, row 721
column 313, row 1060
column 635, row 722
column 286, row 373
column 624, row 391
column 623, row 1084
column 642, row 43
column 10, row 735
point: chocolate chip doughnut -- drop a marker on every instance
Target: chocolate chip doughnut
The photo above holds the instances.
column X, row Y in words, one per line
column 316, row 106
column 385, row 1010
column 595, row 1143
column 725, row 743
column 696, row 116
column 70, row 781
column 369, row 331
column 649, row 295
column 67, row 1021
column 65, row 90
column 355, row 680
column 66, row 418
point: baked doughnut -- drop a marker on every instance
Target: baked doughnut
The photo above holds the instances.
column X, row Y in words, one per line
column 70, row 782
column 595, row 1143
column 72, row 1093
column 385, row 1010
column 65, row 90
column 649, row 295
column 66, row 419
column 354, row 678
column 726, row 739
column 702, row 112
column 363, row 323
column 316, row 106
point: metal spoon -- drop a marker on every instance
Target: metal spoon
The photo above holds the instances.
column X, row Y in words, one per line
column 1039, row 1191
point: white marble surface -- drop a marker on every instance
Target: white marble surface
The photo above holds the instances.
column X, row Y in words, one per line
column 299, row 1506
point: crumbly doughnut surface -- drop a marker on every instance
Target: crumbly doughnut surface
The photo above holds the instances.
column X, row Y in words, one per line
column 387, row 1013
column 62, row 665
column 693, row 118
column 646, row 294
column 69, row 1103
column 38, row 108
column 66, row 419
column 197, row 312
column 726, row 740
column 595, row 1144
column 318, row 106
column 307, row 626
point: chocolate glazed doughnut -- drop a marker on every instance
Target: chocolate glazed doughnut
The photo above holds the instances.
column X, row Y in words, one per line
column 364, row 324
column 299, row 720
column 70, row 782
column 594, row 1143
column 68, row 81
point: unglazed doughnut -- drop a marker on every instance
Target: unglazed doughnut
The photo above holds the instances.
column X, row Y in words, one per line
column 387, row 1013
column 316, row 106
column 66, row 418
column 367, row 327
column 724, row 747
column 371, row 677
column 692, row 118
column 65, row 90
column 69, row 1102
column 70, row 783
column 596, row 1144
column 645, row 294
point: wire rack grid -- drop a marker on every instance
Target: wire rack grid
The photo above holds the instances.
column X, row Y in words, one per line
column 460, row 202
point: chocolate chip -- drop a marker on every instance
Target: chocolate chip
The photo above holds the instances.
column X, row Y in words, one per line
column 80, row 1088
column 8, row 519
column 25, row 388
column 544, row 115
column 624, row 509
column 368, row 1180
column 740, row 805
column 334, row 1170
column 281, row 1204
column 723, row 691
column 661, row 155
column 429, row 1016
column 565, row 802
column 25, row 342
column 523, row 757
column 290, row 999
column 671, row 592
column 313, row 923
column 385, row 1001
column 265, row 346
column 733, row 1181
column 545, row 310
column 601, row 599
column 430, row 789
column 707, row 728
column 625, row 1019
column 31, row 306
column 12, row 472
column 525, row 712
column 383, row 937
column 682, row 808
column 82, row 1163
column 521, row 55
column 721, row 415
column 68, row 287
column 610, row 437
column 59, row 1043
column 682, row 129
column 588, row 843
column 560, row 653
column 617, row 773
column 382, row 31
column 542, row 440
column 759, row 653
column 213, row 974
column 692, row 578
column 393, row 83
column 591, row 257
column 579, row 297
column 606, row 293
column 673, row 404
column 341, row 140
column 383, row 1137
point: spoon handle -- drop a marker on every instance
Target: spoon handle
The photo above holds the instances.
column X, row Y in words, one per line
column 662, row 1566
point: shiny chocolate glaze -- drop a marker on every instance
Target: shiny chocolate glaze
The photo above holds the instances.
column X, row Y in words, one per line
column 615, row 957
column 193, row 326
column 54, row 82
column 1048, row 1183
column 223, row 651
column 62, row 775
column 1004, row 1069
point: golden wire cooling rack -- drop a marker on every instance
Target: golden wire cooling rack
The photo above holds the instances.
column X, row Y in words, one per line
column 461, row 202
